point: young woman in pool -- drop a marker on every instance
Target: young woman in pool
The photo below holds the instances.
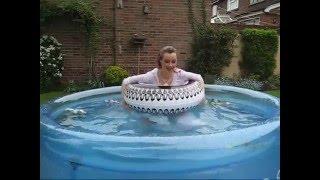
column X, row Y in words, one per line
column 167, row 73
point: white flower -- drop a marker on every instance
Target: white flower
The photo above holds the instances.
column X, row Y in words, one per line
column 62, row 68
column 58, row 74
column 55, row 41
column 50, row 48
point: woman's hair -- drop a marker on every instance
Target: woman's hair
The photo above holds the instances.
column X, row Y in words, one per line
column 166, row 49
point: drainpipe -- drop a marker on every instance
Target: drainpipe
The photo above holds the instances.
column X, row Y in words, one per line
column 139, row 60
column 114, row 34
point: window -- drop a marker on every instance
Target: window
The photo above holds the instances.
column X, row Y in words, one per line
column 214, row 10
column 255, row 1
column 232, row 4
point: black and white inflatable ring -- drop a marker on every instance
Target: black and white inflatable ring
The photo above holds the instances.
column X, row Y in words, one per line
column 164, row 99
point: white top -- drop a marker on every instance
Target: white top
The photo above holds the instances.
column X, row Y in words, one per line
column 180, row 77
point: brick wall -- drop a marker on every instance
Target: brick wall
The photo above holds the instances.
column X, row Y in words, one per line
column 166, row 24
column 267, row 19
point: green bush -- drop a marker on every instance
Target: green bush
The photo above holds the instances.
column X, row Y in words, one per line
column 211, row 50
column 114, row 75
column 258, row 52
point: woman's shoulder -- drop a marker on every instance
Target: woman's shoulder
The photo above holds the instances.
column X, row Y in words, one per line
column 178, row 70
column 181, row 71
column 184, row 73
column 153, row 71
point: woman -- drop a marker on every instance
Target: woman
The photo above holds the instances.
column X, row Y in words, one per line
column 167, row 74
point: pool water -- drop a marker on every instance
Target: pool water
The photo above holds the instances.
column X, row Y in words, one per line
column 231, row 134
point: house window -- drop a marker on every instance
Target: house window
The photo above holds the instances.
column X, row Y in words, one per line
column 214, row 10
column 255, row 1
column 232, row 4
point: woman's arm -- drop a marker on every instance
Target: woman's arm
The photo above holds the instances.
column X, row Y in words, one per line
column 192, row 76
column 142, row 78
column 134, row 79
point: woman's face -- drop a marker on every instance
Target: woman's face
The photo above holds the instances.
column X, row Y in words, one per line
column 169, row 61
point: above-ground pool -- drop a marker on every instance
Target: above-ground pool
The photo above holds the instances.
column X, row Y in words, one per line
column 233, row 133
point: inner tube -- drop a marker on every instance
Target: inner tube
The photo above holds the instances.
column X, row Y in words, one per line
column 163, row 99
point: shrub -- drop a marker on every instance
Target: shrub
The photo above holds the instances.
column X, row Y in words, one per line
column 95, row 83
column 248, row 83
column 51, row 62
column 258, row 52
column 272, row 83
column 211, row 50
column 114, row 75
column 224, row 81
column 73, row 86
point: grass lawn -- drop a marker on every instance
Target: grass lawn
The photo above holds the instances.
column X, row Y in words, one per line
column 54, row 94
column 51, row 95
column 274, row 93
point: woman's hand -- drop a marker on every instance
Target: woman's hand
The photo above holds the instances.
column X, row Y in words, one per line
column 201, row 83
column 125, row 106
column 124, row 88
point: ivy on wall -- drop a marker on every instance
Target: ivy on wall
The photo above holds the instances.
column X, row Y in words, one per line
column 81, row 11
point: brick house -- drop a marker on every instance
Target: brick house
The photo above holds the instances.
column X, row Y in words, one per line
column 159, row 22
column 249, row 12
